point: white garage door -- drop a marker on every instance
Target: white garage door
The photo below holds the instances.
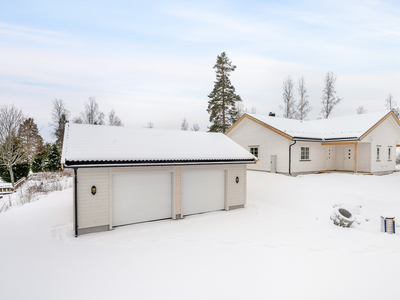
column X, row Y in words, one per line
column 203, row 191
column 141, row 196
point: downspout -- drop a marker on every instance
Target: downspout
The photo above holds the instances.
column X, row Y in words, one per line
column 290, row 157
column 76, row 200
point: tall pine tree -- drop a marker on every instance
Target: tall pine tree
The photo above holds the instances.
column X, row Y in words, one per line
column 222, row 103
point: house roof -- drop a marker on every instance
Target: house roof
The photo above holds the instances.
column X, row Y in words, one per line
column 351, row 127
column 96, row 144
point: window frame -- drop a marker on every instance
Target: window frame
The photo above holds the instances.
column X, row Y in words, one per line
column 390, row 153
column 306, row 156
column 378, row 153
column 256, row 148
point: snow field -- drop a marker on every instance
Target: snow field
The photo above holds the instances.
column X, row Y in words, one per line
column 281, row 246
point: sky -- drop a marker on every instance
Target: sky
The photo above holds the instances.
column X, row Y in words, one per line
column 153, row 60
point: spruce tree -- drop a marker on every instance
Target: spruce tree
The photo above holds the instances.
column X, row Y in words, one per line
column 222, row 103
column 53, row 161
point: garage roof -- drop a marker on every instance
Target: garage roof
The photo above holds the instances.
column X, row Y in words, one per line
column 110, row 145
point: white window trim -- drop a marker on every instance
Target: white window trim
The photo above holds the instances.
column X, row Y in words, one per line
column 307, row 157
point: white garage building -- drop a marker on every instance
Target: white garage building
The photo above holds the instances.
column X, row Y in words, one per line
column 126, row 176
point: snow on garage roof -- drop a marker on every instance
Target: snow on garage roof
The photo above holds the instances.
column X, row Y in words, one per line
column 347, row 127
column 99, row 144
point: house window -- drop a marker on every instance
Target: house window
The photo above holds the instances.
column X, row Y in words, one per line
column 378, row 156
column 254, row 151
column 305, row 153
column 390, row 153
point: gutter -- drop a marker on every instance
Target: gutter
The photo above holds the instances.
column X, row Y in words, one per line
column 76, row 200
column 290, row 157
column 157, row 164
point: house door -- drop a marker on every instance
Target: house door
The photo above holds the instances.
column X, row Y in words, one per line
column 348, row 159
column 330, row 158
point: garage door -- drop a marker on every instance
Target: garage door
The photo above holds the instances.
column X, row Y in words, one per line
column 203, row 191
column 141, row 196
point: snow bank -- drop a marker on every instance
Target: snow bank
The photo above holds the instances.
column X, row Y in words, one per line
column 281, row 246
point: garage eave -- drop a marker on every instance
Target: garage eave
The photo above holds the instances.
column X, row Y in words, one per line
column 118, row 164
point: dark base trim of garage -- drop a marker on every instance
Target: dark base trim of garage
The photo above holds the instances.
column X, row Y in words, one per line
column 236, row 206
column 93, row 229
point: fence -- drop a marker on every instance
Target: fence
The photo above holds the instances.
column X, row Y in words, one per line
column 10, row 189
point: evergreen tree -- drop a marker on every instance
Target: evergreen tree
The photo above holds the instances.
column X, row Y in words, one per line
column 19, row 171
column 38, row 163
column 53, row 159
column 222, row 103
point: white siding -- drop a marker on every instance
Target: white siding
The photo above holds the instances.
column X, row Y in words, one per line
column 93, row 210
column 364, row 157
column 96, row 210
column 317, row 161
column 385, row 135
column 249, row 133
column 237, row 191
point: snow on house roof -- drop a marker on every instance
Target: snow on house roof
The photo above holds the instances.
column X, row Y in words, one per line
column 346, row 127
column 105, row 144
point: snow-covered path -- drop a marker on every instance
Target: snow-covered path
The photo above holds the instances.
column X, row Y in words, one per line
column 281, row 246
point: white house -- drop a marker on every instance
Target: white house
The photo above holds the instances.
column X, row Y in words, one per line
column 125, row 176
column 357, row 143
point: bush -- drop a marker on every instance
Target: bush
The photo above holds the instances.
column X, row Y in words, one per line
column 20, row 171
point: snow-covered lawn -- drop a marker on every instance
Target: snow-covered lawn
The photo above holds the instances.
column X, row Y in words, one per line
column 281, row 246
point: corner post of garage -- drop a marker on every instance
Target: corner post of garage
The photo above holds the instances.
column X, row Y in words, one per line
column 76, row 200
column 355, row 156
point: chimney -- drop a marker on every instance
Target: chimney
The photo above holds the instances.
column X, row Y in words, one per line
column 271, row 114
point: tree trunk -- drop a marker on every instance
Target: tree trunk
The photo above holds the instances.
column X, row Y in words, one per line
column 11, row 176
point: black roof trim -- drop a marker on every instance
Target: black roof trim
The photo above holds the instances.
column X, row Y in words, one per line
column 150, row 162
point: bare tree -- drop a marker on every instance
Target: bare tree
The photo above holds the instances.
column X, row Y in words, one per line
column 59, row 116
column 303, row 106
column 361, row 110
column 30, row 138
column 289, row 103
column 149, row 125
column 91, row 115
column 114, row 120
column 392, row 105
column 240, row 109
column 329, row 97
column 12, row 151
column 184, row 125
column 195, row 127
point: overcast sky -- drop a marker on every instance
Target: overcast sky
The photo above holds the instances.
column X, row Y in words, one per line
column 153, row 60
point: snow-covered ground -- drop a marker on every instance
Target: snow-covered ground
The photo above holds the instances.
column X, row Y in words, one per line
column 281, row 246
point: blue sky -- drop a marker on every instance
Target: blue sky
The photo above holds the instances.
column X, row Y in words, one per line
column 152, row 61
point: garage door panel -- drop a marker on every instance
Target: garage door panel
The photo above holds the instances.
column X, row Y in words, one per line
column 203, row 191
column 141, row 196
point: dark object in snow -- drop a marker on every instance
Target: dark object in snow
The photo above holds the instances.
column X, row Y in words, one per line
column 342, row 217
column 388, row 224
column 271, row 114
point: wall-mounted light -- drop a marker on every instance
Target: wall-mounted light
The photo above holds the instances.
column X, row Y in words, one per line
column 93, row 190
column 237, row 179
